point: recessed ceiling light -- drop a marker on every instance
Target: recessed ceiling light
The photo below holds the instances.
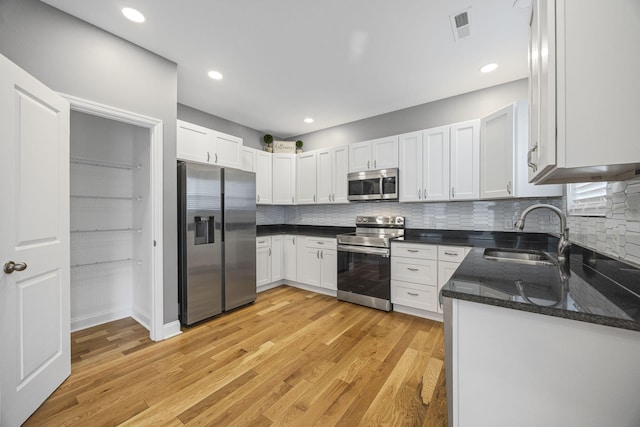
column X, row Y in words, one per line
column 215, row 75
column 489, row 68
column 133, row 15
column 308, row 120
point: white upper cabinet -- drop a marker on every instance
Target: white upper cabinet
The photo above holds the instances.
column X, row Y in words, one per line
column 582, row 103
column 381, row 153
column 227, row 151
column 264, row 178
column 192, row 142
column 306, row 185
column 424, row 165
column 284, row 179
column 465, row 160
column 332, row 169
column 248, row 159
column 410, row 163
column 436, row 163
column 199, row 144
column 503, row 155
column 340, row 157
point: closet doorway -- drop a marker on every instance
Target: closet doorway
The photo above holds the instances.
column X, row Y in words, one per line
column 116, row 217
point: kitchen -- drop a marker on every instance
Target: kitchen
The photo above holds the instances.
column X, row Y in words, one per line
column 75, row 58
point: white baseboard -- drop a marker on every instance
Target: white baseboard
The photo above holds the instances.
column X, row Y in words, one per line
column 142, row 318
column 311, row 288
column 84, row 322
column 268, row 286
column 171, row 329
column 418, row 312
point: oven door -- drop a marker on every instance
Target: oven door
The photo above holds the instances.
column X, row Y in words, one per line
column 364, row 271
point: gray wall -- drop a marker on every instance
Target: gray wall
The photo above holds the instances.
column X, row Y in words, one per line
column 76, row 58
column 472, row 105
column 250, row 137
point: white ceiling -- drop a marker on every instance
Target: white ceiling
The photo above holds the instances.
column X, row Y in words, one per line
column 334, row 60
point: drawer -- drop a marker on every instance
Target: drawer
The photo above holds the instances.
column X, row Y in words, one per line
column 321, row 242
column 452, row 253
column 412, row 250
column 416, row 296
column 263, row 242
column 422, row 271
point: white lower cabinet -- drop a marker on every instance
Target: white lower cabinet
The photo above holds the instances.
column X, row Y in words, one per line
column 277, row 266
column 290, row 257
column 303, row 259
column 419, row 271
column 263, row 261
column 319, row 263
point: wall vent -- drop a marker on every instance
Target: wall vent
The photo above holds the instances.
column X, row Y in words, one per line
column 460, row 24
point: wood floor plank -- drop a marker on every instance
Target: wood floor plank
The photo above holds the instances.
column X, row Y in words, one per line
column 293, row 358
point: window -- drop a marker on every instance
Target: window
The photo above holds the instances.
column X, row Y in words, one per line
column 587, row 199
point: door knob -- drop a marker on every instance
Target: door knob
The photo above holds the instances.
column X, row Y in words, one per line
column 10, row 267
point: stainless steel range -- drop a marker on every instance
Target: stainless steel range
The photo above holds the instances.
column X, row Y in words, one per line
column 364, row 263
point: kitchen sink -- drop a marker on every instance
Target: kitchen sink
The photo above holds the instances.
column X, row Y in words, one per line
column 520, row 256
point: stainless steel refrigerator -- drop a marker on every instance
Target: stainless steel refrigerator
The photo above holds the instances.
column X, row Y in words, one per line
column 217, row 240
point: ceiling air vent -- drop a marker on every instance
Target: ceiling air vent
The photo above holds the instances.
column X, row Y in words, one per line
column 460, row 24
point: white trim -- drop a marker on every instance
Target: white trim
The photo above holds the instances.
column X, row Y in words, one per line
column 84, row 322
column 171, row 329
column 155, row 126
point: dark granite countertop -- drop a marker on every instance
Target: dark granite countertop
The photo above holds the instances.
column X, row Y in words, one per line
column 303, row 230
column 481, row 239
column 595, row 289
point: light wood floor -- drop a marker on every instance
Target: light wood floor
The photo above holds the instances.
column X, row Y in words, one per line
column 292, row 358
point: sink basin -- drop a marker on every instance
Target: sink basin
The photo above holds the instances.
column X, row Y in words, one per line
column 520, row 256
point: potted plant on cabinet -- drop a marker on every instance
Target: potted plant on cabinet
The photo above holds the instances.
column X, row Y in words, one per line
column 268, row 139
column 299, row 145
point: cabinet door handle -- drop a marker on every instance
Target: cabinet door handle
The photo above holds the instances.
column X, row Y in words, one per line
column 375, row 164
column 269, row 251
column 509, row 187
column 413, row 251
column 321, row 254
column 425, row 194
column 258, row 198
column 412, row 294
column 320, row 243
column 294, row 240
column 318, row 254
column 261, row 241
column 450, row 253
column 419, row 194
column 529, row 161
column 368, row 165
column 314, row 198
column 453, row 192
column 292, row 200
column 412, row 269
column 208, row 157
column 333, row 196
column 216, row 157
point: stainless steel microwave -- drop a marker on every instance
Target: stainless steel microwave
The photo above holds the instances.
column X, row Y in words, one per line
column 373, row 185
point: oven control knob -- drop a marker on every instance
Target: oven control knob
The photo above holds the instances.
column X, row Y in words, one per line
column 364, row 219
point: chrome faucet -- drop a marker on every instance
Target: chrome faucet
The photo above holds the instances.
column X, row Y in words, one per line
column 563, row 245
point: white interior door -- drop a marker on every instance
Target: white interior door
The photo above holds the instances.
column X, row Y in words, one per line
column 34, row 230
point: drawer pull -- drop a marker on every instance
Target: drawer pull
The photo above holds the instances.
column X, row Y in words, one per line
column 413, row 251
column 451, row 253
column 412, row 269
column 412, row 294
column 320, row 243
column 261, row 241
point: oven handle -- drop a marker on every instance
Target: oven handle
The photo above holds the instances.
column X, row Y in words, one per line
column 364, row 250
